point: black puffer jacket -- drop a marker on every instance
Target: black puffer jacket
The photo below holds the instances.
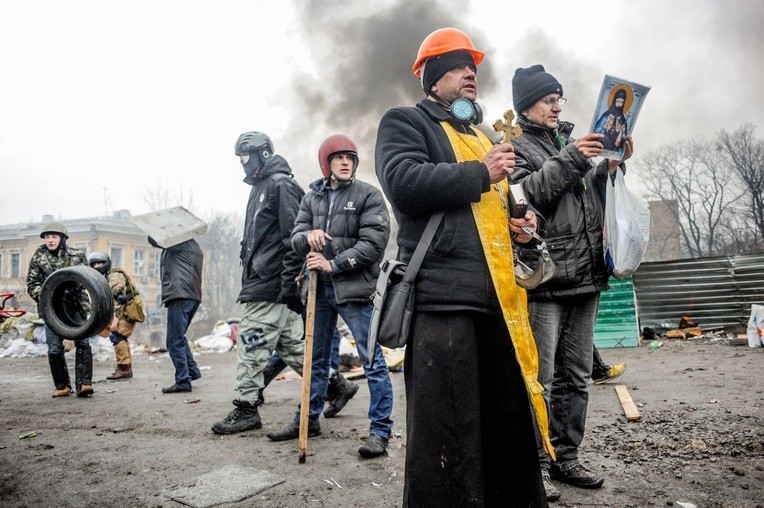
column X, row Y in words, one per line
column 269, row 265
column 417, row 169
column 181, row 271
column 360, row 228
column 552, row 180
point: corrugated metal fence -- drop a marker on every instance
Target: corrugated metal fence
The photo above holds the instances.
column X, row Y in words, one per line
column 715, row 292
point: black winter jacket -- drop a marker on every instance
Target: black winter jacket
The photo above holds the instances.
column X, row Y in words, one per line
column 419, row 175
column 269, row 265
column 360, row 228
column 574, row 215
column 181, row 271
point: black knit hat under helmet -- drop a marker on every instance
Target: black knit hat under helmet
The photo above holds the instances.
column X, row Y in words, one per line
column 531, row 84
column 437, row 66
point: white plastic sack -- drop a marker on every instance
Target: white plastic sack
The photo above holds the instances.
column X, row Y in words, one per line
column 627, row 228
column 217, row 343
column 20, row 347
column 756, row 326
column 222, row 328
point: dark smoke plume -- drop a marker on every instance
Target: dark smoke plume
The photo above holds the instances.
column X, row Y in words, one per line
column 363, row 63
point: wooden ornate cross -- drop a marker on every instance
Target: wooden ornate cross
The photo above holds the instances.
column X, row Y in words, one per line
column 510, row 131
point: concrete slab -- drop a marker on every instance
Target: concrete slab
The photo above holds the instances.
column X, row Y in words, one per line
column 229, row 484
column 171, row 226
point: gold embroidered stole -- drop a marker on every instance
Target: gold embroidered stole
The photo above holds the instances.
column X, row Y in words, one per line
column 492, row 219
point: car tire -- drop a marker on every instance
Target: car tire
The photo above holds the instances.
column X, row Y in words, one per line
column 60, row 311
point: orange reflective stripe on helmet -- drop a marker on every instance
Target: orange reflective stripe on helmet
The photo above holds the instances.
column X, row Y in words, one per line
column 445, row 40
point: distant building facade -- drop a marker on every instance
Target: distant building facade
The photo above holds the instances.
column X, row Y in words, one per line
column 665, row 236
column 116, row 235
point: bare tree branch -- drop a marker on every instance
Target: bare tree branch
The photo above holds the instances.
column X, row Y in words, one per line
column 745, row 158
column 692, row 174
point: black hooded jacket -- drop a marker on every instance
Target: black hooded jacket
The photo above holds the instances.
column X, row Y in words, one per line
column 269, row 265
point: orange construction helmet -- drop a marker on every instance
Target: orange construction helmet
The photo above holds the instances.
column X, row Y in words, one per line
column 445, row 40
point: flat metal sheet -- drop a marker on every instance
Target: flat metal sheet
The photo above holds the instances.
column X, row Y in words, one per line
column 229, row 484
column 171, row 226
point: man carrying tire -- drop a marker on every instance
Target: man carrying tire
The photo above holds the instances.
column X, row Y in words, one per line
column 49, row 257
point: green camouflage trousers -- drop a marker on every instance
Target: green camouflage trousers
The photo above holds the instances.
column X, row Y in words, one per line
column 266, row 327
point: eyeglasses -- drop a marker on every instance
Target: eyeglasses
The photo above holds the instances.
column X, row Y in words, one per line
column 551, row 101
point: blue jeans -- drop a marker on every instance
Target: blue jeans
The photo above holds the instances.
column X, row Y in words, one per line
column 276, row 364
column 564, row 333
column 357, row 316
column 56, row 343
column 180, row 312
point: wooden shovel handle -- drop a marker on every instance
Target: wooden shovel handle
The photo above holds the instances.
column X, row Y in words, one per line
column 307, row 361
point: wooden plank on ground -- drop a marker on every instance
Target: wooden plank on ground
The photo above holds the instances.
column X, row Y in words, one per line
column 629, row 409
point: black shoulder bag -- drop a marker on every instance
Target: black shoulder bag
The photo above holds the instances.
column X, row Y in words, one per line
column 394, row 295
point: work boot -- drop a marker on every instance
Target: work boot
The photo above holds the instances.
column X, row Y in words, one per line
column 551, row 491
column 62, row 392
column 374, row 446
column 244, row 417
column 612, row 372
column 121, row 372
column 292, row 431
column 84, row 391
column 342, row 391
column 577, row 476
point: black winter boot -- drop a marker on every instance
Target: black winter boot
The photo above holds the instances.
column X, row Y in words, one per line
column 60, row 373
column 244, row 417
column 83, row 371
column 292, row 431
column 341, row 390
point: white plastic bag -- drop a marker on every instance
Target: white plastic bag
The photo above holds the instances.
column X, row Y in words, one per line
column 216, row 343
column 756, row 326
column 627, row 228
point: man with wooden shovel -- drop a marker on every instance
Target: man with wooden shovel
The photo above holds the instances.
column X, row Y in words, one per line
column 342, row 228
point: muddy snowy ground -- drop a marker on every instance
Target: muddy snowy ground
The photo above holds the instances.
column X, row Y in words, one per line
column 699, row 442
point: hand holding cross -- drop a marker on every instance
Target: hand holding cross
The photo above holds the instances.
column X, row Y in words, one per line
column 510, row 131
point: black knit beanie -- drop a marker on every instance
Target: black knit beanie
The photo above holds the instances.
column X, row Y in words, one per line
column 435, row 67
column 531, row 84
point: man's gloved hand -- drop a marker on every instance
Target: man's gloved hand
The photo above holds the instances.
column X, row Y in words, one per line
column 121, row 298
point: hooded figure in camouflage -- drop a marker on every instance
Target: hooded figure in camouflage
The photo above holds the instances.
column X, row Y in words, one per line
column 124, row 293
column 49, row 257
column 272, row 306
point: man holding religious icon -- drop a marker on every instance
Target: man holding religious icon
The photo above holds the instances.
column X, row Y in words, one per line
column 562, row 183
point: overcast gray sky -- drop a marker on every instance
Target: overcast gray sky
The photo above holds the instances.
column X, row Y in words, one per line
column 101, row 102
